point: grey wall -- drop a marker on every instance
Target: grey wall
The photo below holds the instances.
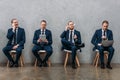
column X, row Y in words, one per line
column 87, row 15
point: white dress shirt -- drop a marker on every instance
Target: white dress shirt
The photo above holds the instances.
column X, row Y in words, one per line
column 72, row 35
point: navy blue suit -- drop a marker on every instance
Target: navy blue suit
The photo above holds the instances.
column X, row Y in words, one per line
column 20, row 40
column 69, row 45
column 44, row 46
column 97, row 38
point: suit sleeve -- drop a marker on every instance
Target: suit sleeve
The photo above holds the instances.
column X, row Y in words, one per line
column 63, row 35
column 79, row 38
column 50, row 38
column 35, row 38
column 94, row 38
column 10, row 34
column 23, row 38
column 111, row 36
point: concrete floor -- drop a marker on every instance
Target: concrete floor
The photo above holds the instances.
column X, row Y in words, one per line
column 57, row 72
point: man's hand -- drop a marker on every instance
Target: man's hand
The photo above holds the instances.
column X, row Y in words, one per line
column 15, row 47
column 13, row 29
column 104, row 37
column 66, row 28
column 46, row 41
column 39, row 40
column 75, row 36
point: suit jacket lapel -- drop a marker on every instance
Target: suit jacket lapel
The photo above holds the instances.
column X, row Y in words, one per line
column 100, row 33
column 18, row 33
column 67, row 34
column 107, row 33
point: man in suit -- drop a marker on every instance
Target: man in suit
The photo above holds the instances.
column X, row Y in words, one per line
column 103, row 34
column 42, row 44
column 69, row 38
column 16, row 40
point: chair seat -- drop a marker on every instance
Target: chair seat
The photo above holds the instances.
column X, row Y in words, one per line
column 13, row 51
column 98, row 51
column 41, row 51
column 69, row 51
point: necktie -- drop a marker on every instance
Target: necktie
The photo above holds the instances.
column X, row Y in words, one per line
column 104, row 33
column 42, row 31
column 15, row 38
column 71, row 36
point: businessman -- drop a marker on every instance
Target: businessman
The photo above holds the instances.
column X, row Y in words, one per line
column 42, row 43
column 103, row 34
column 69, row 38
column 16, row 40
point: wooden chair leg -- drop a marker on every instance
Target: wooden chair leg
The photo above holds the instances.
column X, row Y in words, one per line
column 97, row 60
column 8, row 63
column 77, row 61
column 21, row 61
column 94, row 62
column 66, row 59
column 106, row 57
column 22, row 58
column 49, row 63
column 35, row 63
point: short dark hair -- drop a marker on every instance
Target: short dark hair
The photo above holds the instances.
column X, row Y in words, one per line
column 105, row 21
column 69, row 22
column 13, row 20
column 43, row 21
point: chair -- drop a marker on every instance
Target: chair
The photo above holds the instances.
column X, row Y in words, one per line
column 13, row 53
column 68, row 52
column 97, row 56
column 42, row 52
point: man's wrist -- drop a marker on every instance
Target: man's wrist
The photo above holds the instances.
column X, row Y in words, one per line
column 17, row 45
column 99, row 44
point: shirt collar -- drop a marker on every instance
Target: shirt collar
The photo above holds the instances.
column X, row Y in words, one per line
column 42, row 29
column 103, row 30
column 17, row 28
column 72, row 30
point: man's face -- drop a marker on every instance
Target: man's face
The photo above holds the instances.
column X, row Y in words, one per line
column 71, row 25
column 15, row 23
column 43, row 25
column 104, row 26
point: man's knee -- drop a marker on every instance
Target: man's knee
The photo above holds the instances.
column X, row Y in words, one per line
column 49, row 50
column 19, row 50
column 100, row 48
column 34, row 49
column 111, row 49
column 74, row 48
column 5, row 50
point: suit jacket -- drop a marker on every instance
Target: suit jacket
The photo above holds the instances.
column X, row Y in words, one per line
column 20, row 37
column 65, row 35
column 97, row 37
column 48, row 36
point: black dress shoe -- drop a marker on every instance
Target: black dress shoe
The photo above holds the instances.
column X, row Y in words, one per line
column 40, row 63
column 11, row 64
column 102, row 66
column 109, row 66
column 16, row 65
column 45, row 64
column 73, row 66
